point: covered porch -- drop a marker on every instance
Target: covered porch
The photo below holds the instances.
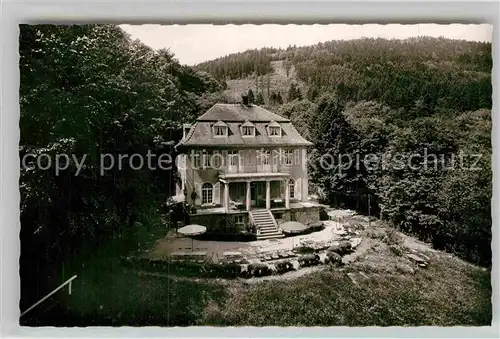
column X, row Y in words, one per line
column 246, row 192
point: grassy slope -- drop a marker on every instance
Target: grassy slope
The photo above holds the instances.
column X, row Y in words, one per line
column 448, row 292
column 279, row 83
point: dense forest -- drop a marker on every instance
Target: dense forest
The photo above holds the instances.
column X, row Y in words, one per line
column 91, row 90
column 423, row 99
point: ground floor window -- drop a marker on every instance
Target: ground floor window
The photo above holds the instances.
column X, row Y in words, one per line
column 207, row 194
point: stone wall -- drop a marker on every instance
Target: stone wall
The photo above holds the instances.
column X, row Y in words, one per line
column 222, row 224
column 226, row 226
column 304, row 215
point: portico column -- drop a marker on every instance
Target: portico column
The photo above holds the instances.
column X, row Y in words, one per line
column 268, row 195
column 226, row 197
column 249, row 198
column 287, row 194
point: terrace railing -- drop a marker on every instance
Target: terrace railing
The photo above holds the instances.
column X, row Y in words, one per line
column 274, row 168
column 67, row 282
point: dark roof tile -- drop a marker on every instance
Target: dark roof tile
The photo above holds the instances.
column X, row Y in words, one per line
column 239, row 112
column 235, row 116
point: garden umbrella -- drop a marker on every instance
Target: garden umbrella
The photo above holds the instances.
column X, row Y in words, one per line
column 292, row 227
column 192, row 230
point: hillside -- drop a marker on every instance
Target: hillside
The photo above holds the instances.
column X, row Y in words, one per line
column 441, row 72
column 276, row 81
column 376, row 97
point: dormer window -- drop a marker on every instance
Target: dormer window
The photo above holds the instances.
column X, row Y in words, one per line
column 247, row 129
column 274, row 129
column 220, row 129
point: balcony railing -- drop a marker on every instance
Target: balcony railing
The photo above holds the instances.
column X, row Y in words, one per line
column 274, row 168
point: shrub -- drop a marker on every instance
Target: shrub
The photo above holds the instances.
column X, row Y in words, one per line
column 245, row 273
column 342, row 248
column 334, row 258
column 259, row 270
column 304, row 249
column 308, row 260
column 358, row 227
column 397, row 250
column 374, row 234
column 284, row 266
column 231, row 270
column 392, row 237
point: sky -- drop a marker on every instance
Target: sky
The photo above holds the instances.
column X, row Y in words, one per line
column 193, row 44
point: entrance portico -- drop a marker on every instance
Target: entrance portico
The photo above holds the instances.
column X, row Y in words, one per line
column 255, row 190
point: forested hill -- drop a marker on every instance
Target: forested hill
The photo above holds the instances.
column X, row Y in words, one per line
column 437, row 72
column 424, row 100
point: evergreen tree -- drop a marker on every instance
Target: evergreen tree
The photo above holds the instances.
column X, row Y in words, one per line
column 259, row 100
column 251, row 96
column 287, row 65
column 337, row 144
column 279, row 98
column 294, row 93
column 312, row 93
column 268, row 86
column 272, row 98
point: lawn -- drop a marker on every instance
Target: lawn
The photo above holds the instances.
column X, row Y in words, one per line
column 449, row 292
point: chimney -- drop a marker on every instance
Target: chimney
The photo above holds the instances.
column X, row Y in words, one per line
column 244, row 99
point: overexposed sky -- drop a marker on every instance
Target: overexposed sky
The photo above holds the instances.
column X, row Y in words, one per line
column 193, row 44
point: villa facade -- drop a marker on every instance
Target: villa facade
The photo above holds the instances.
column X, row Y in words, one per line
column 244, row 160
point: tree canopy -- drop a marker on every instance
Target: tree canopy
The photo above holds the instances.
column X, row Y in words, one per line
column 89, row 90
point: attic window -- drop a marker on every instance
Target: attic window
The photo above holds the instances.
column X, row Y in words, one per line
column 247, row 129
column 220, row 129
column 274, row 129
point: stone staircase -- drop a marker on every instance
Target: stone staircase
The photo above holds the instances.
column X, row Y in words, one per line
column 266, row 224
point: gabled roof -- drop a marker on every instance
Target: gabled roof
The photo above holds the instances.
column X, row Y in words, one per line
column 239, row 112
column 274, row 124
